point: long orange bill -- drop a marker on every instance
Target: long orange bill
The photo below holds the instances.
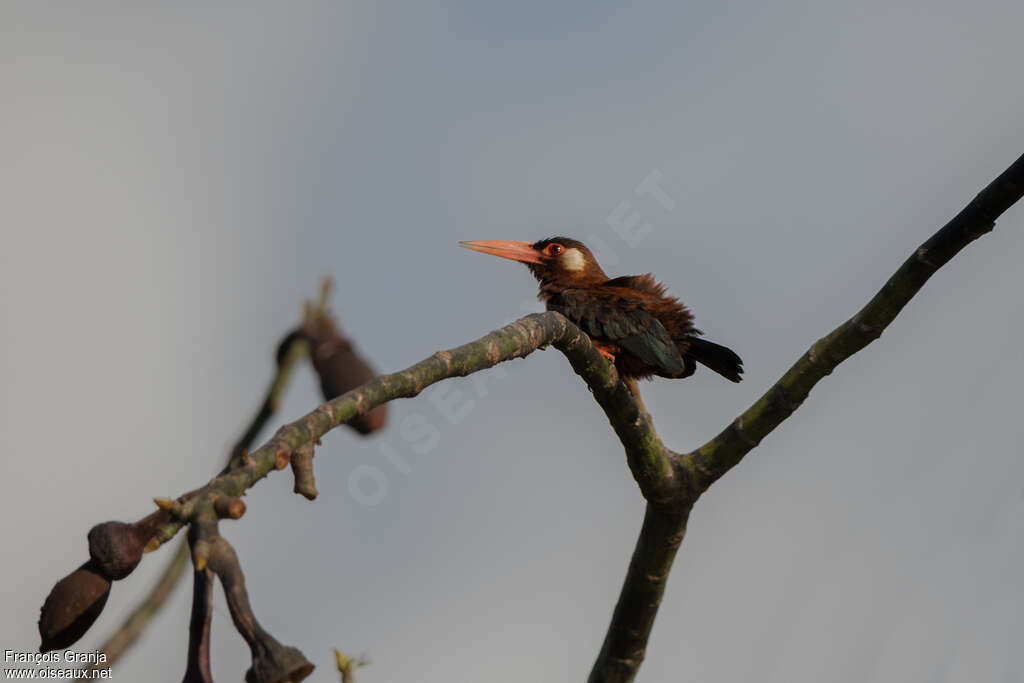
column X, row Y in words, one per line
column 517, row 251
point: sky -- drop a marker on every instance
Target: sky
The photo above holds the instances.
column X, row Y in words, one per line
column 177, row 177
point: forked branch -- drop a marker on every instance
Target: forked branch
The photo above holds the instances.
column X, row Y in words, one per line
column 664, row 526
column 671, row 482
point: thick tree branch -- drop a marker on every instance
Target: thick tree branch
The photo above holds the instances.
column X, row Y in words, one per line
column 649, row 460
column 626, row 640
column 663, row 529
column 716, row 457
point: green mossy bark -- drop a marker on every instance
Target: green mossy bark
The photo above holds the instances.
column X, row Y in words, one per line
column 650, row 462
column 709, row 462
column 625, row 643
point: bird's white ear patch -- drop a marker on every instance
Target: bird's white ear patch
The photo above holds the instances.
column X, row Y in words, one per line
column 573, row 259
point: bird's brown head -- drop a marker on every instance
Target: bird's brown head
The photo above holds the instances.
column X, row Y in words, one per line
column 556, row 260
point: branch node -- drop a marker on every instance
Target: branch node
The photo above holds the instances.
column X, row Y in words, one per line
column 281, row 459
column 178, row 509
column 328, row 410
column 779, row 399
column 872, row 332
column 203, row 533
column 922, row 255
column 736, row 427
column 200, row 555
column 229, row 507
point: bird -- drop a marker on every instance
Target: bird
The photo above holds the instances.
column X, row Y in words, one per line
column 631, row 320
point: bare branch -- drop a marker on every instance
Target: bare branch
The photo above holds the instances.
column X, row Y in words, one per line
column 716, row 457
column 198, row 668
column 649, row 460
column 290, row 354
column 272, row 662
column 626, row 640
column 664, row 526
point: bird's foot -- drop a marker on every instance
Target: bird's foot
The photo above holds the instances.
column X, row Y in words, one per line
column 605, row 352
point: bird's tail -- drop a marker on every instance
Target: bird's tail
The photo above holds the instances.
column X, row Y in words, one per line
column 716, row 357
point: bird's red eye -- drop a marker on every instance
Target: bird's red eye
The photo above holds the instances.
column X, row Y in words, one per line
column 554, row 249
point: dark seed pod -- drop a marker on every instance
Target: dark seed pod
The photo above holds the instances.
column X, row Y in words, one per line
column 72, row 606
column 116, row 548
column 341, row 369
column 278, row 664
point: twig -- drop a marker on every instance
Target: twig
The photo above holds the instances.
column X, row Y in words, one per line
column 128, row 632
column 347, row 666
column 716, row 457
column 647, row 457
column 272, row 662
column 198, row 668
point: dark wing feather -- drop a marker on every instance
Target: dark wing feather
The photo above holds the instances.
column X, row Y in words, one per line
column 673, row 314
column 607, row 316
column 643, row 283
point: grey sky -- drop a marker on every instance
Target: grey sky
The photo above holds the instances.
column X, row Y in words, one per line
column 177, row 177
